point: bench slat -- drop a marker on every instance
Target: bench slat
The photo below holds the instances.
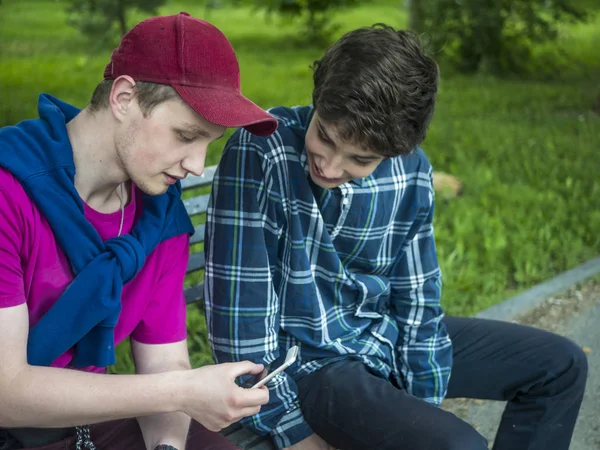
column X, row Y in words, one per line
column 231, row 429
column 196, row 262
column 205, row 179
column 196, row 205
column 194, row 293
column 198, row 234
column 262, row 444
column 247, row 440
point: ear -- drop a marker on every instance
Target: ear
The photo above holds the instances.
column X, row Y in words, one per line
column 122, row 96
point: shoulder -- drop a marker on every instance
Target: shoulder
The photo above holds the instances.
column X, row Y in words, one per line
column 29, row 140
column 410, row 169
column 408, row 180
column 18, row 214
column 420, row 185
column 12, row 195
column 416, row 162
column 8, row 182
column 289, row 136
column 296, row 116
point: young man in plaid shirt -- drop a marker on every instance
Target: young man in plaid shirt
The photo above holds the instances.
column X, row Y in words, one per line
column 321, row 236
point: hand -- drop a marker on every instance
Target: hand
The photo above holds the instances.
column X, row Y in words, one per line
column 214, row 399
column 313, row 442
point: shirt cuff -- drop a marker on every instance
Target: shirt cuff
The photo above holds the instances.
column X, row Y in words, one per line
column 291, row 429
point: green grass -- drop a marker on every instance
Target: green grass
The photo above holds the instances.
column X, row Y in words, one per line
column 525, row 149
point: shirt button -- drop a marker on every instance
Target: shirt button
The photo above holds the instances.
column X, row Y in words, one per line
column 346, row 201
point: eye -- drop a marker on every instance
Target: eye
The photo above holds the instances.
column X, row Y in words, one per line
column 363, row 162
column 323, row 138
column 185, row 138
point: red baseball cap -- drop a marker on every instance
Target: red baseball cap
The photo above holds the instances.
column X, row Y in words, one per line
column 196, row 59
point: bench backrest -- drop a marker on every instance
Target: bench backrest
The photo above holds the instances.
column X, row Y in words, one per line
column 195, row 194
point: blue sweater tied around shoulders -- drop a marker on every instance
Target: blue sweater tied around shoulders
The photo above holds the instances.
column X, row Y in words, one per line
column 39, row 154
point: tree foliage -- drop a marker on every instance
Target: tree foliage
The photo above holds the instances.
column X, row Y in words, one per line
column 495, row 36
column 315, row 15
column 104, row 22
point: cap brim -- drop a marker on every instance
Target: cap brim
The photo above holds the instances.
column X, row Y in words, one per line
column 228, row 109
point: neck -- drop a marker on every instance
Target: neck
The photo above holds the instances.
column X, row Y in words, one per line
column 98, row 173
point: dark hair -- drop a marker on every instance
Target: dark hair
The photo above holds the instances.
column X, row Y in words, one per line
column 148, row 95
column 377, row 87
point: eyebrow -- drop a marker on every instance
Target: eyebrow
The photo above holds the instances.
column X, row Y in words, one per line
column 198, row 130
column 324, row 134
column 356, row 155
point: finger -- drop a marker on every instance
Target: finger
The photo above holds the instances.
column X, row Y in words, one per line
column 258, row 368
column 213, row 427
column 244, row 368
column 250, row 411
column 254, row 397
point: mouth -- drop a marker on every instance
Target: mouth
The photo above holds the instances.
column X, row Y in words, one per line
column 171, row 179
column 319, row 175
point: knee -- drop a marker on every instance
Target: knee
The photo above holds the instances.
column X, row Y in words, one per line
column 463, row 437
column 570, row 361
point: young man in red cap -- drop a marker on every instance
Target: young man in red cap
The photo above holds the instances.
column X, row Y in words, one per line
column 94, row 242
column 321, row 236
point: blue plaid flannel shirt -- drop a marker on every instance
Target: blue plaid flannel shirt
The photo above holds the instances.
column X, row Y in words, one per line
column 349, row 272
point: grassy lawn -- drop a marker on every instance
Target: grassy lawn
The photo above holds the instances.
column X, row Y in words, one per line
column 526, row 149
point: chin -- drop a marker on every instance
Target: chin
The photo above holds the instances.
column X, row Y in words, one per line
column 151, row 188
column 319, row 181
column 157, row 191
column 326, row 185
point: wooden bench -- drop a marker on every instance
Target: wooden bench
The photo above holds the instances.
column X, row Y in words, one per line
column 195, row 195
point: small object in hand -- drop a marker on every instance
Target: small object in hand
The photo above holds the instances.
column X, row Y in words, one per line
column 263, row 378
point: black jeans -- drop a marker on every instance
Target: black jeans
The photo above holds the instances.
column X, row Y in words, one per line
column 540, row 374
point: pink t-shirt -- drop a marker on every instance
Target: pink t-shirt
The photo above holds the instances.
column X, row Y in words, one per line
column 34, row 270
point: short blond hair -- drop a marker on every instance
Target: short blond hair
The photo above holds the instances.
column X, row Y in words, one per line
column 149, row 95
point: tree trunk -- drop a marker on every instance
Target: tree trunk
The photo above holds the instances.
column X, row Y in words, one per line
column 312, row 25
column 596, row 106
column 415, row 16
column 488, row 28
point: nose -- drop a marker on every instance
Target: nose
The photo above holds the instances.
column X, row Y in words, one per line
column 332, row 167
column 194, row 162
